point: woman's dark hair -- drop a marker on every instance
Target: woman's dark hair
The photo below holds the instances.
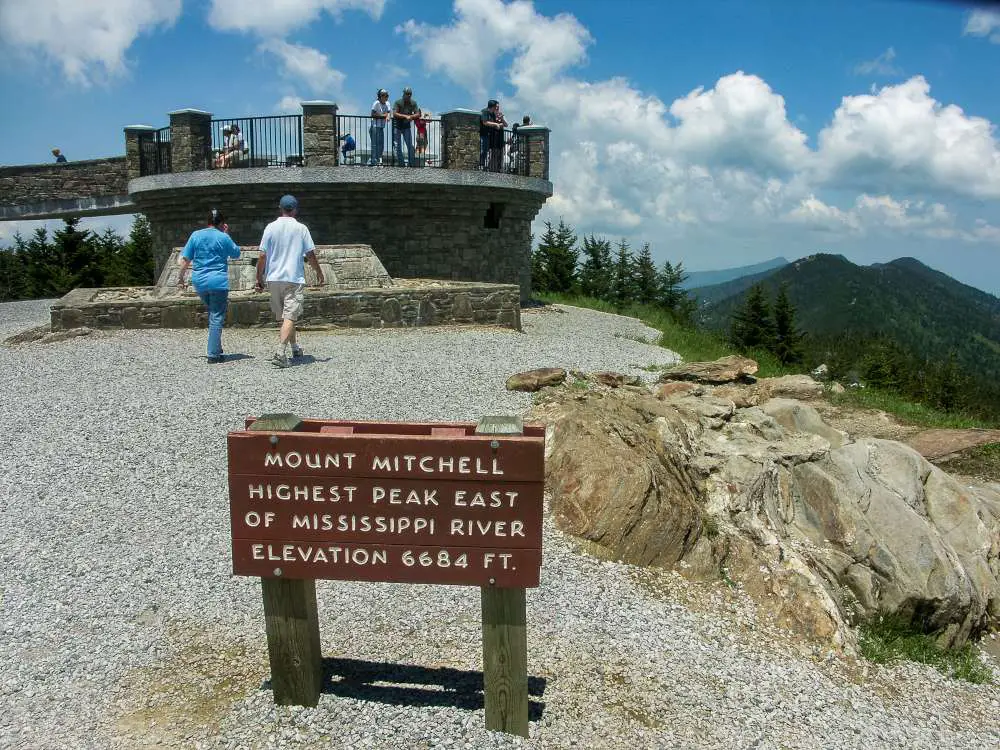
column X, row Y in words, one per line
column 216, row 218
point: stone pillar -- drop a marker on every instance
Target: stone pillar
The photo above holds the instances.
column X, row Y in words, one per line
column 536, row 147
column 319, row 134
column 135, row 137
column 190, row 140
column 460, row 139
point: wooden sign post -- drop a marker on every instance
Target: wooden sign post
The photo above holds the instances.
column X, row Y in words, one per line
column 456, row 503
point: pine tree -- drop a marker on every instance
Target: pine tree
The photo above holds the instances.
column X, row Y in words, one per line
column 138, row 253
column 752, row 326
column 672, row 295
column 787, row 338
column 541, row 280
column 596, row 271
column 15, row 282
column 647, row 286
column 77, row 263
column 563, row 259
column 622, row 279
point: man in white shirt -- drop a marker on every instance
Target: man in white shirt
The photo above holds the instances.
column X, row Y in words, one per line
column 285, row 246
column 380, row 115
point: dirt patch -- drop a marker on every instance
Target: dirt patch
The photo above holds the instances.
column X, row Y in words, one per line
column 863, row 422
column 940, row 443
column 186, row 697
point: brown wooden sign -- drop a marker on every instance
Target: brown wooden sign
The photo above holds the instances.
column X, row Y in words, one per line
column 384, row 501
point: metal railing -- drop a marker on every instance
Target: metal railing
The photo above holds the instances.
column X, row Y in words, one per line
column 154, row 152
column 374, row 145
column 504, row 151
column 274, row 141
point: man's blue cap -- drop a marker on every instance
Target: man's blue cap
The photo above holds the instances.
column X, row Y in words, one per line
column 288, row 203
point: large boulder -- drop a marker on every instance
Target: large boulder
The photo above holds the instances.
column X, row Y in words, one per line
column 820, row 531
column 725, row 370
column 535, row 380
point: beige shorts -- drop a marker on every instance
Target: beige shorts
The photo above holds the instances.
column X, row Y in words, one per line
column 286, row 299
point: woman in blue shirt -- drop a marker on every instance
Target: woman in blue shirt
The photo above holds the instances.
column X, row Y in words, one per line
column 209, row 250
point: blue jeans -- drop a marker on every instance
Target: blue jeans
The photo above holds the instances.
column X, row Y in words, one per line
column 216, row 300
column 405, row 135
column 378, row 144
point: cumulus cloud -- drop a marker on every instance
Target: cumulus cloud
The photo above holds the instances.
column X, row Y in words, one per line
column 902, row 138
column 276, row 18
column 466, row 49
column 305, row 66
column 881, row 65
column 726, row 157
column 87, row 39
column 984, row 23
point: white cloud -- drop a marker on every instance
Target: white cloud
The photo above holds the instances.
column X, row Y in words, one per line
column 276, row 18
column 882, row 65
column 466, row 50
column 725, row 161
column 306, row 66
column 984, row 23
column 903, row 139
column 740, row 121
column 87, row 38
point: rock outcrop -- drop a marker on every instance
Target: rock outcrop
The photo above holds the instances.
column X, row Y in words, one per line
column 821, row 530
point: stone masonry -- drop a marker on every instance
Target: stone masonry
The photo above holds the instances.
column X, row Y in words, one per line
column 30, row 183
column 190, row 140
column 460, row 139
column 319, row 134
column 409, row 304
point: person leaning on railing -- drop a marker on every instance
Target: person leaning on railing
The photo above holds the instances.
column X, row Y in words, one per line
column 491, row 125
column 380, row 116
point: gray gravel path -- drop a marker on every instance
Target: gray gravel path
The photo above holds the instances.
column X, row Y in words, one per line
column 121, row 626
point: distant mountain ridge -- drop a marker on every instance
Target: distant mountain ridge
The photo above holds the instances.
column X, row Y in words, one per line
column 924, row 310
column 697, row 279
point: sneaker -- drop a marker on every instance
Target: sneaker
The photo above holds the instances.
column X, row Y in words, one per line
column 215, row 360
column 297, row 352
column 279, row 360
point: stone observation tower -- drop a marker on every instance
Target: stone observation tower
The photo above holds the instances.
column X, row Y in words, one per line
column 448, row 218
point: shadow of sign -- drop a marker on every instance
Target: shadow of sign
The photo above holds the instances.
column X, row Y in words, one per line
column 411, row 685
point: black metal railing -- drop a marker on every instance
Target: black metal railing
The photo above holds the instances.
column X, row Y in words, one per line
column 374, row 142
column 274, row 141
column 503, row 151
column 154, row 152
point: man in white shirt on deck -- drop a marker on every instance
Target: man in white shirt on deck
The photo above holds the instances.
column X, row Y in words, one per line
column 285, row 246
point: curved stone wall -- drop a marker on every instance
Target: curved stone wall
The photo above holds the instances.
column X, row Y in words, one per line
column 421, row 223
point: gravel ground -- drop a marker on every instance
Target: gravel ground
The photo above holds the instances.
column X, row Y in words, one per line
column 121, row 626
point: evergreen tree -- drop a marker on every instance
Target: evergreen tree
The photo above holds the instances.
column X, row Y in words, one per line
column 562, row 260
column 672, row 296
column 752, row 326
column 138, row 253
column 622, row 279
column 541, row 281
column 77, row 263
column 788, row 346
column 646, row 279
column 15, row 283
column 553, row 264
column 596, row 271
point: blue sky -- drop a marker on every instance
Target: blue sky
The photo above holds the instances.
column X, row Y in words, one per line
column 723, row 133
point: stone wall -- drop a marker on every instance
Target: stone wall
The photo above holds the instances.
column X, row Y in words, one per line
column 416, row 303
column 34, row 183
column 425, row 223
column 460, row 139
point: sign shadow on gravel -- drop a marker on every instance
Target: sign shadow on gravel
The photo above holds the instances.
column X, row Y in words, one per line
column 411, row 685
